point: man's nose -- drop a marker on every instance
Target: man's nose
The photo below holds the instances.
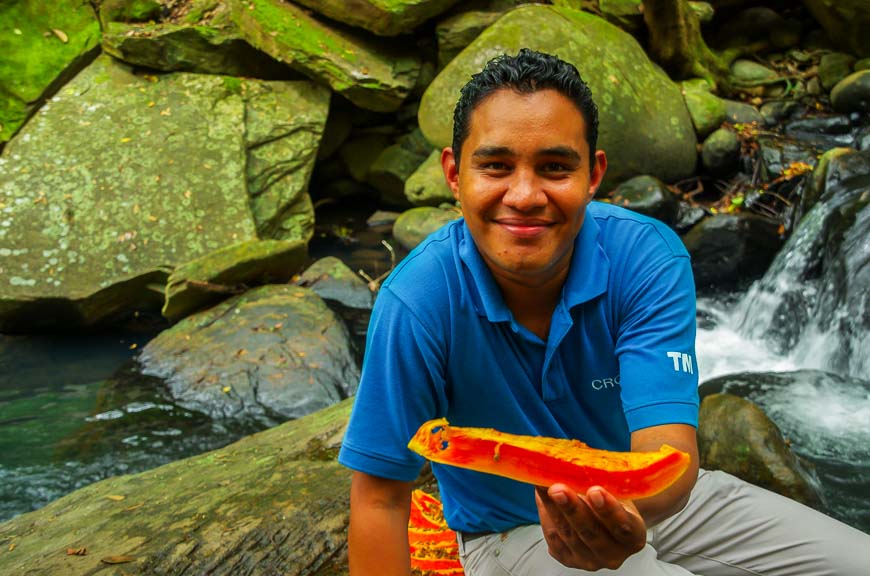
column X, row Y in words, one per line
column 524, row 192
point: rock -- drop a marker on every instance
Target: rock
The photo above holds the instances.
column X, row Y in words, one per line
column 645, row 127
column 863, row 64
column 787, row 34
column 748, row 26
column 778, row 153
column 414, row 225
column 623, row 13
column 43, row 45
column 852, row 93
column 834, row 67
column 777, row 111
column 687, row 216
column 720, row 153
column 740, row 113
column 862, row 139
column 395, row 164
column 845, row 21
column 148, row 175
column 383, row 18
column 344, row 291
column 382, row 218
column 728, row 249
column 815, row 188
column 460, row 30
column 749, row 73
column 338, row 128
column 735, row 436
column 427, row 186
column 371, row 74
column 274, row 353
column 218, row 275
column 222, row 513
column 703, row 10
column 358, row 153
column 823, row 132
column 130, row 11
column 648, row 195
column 707, row 110
column 208, row 42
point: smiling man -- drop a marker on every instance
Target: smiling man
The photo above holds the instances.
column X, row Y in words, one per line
column 544, row 313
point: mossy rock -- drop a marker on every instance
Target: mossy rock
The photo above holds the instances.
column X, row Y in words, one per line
column 645, row 127
column 43, row 44
column 372, row 74
column 272, row 503
column 834, row 67
column 427, row 186
column 852, row 93
column 219, row 275
column 735, row 436
column 414, row 225
column 150, row 172
column 460, row 30
column 707, row 110
column 383, row 17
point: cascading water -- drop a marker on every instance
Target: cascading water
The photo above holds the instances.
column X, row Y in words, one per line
column 807, row 319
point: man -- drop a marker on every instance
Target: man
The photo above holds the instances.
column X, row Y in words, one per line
column 544, row 313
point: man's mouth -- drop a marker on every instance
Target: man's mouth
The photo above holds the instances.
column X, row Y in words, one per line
column 524, row 227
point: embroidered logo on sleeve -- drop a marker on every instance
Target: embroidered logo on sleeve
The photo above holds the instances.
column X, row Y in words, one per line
column 682, row 362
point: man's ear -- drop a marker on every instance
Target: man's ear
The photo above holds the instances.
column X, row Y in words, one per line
column 596, row 174
column 451, row 171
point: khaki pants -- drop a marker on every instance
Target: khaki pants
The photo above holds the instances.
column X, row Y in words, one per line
column 728, row 528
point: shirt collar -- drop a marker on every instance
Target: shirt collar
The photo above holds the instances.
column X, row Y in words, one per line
column 587, row 277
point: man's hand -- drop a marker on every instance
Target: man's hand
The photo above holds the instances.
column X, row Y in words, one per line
column 590, row 531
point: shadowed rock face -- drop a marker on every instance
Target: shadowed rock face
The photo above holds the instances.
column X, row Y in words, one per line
column 274, row 353
column 121, row 177
column 646, row 128
column 383, row 17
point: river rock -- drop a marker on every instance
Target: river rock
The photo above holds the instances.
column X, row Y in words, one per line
column 852, row 93
column 427, row 186
column 748, row 73
column 833, row 67
column 414, row 225
column 44, row 44
column 741, row 113
column 383, row 18
column 645, row 127
column 728, row 249
column 395, row 164
column 344, row 291
column 720, row 153
column 231, row 270
column 373, row 75
column 359, row 153
column 706, row 109
column 623, row 13
column 735, row 436
column 460, row 30
column 150, row 173
column 203, row 39
column 823, row 132
column 845, row 21
column 272, row 503
column 648, row 195
column 271, row 354
column 777, row 153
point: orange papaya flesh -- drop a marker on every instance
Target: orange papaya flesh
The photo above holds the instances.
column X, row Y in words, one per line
column 546, row 461
column 433, row 546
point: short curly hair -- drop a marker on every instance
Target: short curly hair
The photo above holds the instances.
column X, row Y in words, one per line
column 527, row 72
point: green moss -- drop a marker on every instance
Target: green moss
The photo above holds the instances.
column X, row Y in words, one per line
column 233, row 84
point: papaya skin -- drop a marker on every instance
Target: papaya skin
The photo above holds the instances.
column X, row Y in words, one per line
column 546, row 461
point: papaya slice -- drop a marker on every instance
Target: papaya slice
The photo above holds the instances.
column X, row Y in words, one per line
column 545, row 461
column 433, row 546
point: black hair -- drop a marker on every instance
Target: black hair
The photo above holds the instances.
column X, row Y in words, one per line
column 527, row 72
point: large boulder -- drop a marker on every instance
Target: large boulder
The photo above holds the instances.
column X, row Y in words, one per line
column 645, row 127
column 427, row 186
column 370, row 73
column 414, row 225
column 845, row 21
column 271, row 354
column 202, row 38
column 42, row 44
column 147, row 173
column 272, row 503
column 383, row 17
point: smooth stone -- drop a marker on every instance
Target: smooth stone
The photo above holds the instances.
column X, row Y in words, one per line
column 852, row 93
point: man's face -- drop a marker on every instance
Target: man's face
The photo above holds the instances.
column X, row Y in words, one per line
column 524, row 183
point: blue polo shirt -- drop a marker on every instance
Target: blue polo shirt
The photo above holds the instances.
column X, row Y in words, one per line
column 442, row 343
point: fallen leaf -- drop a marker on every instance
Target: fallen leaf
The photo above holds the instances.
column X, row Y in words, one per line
column 117, row 559
column 133, row 346
column 77, row 551
column 125, row 140
column 152, row 218
column 226, row 389
column 61, row 35
column 12, row 547
column 134, row 506
column 115, row 497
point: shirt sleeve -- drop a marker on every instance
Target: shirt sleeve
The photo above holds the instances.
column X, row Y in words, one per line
column 402, row 386
column 656, row 347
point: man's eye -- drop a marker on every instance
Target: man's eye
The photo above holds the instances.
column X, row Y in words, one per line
column 495, row 166
column 554, row 167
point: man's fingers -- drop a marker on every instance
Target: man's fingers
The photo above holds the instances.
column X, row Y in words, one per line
column 562, row 542
column 622, row 525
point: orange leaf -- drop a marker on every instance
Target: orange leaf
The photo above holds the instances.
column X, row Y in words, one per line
column 546, row 461
column 76, row 551
column 117, row 559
